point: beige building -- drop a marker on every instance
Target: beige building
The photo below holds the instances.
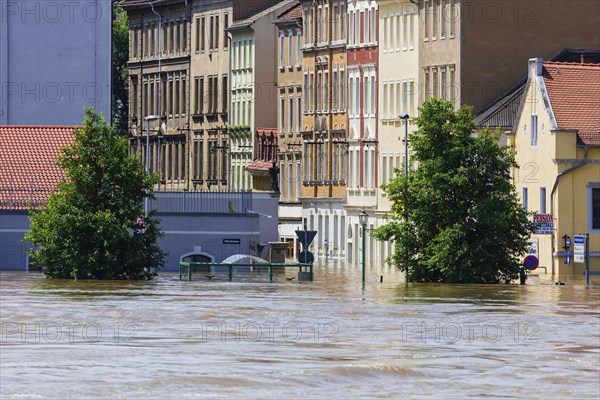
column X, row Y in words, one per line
column 289, row 119
column 473, row 52
column 179, row 72
column 556, row 137
column 398, row 94
column 324, row 124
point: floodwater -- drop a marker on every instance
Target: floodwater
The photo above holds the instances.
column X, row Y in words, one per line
column 331, row 339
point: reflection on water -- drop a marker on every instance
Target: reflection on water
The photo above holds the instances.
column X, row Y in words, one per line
column 327, row 339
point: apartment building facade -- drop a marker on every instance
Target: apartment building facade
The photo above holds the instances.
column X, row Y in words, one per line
column 179, row 72
column 324, row 124
column 253, row 71
column 289, row 120
column 363, row 132
column 159, row 72
column 473, row 52
column 398, row 95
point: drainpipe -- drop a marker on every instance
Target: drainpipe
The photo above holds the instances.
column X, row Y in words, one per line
column 229, row 110
column 554, row 187
column 158, row 95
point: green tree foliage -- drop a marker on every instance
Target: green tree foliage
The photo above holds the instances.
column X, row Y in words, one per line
column 94, row 227
column 120, row 94
column 465, row 223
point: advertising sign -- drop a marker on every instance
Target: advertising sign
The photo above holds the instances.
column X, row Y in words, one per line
column 544, row 224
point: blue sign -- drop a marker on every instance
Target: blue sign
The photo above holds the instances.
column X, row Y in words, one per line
column 568, row 258
column 578, row 239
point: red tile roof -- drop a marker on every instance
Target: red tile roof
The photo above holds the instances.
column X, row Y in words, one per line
column 574, row 91
column 28, row 170
column 292, row 14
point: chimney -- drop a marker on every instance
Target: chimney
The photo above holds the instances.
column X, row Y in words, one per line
column 535, row 67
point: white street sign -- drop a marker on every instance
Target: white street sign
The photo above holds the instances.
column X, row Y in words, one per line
column 579, row 249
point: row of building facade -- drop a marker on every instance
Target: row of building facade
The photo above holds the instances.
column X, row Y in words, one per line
column 311, row 99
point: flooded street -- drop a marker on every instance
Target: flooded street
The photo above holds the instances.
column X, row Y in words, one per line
column 327, row 339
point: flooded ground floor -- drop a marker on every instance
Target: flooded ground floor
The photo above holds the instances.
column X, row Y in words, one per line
column 331, row 338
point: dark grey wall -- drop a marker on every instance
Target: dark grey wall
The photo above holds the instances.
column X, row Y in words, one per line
column 184, row 233
column 55, row 59
column 13, row 225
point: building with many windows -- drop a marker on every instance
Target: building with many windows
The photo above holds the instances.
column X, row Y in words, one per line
column 398, row 95
column 473, row 52
column 253, row 72
column 324, row 124
column 289, row 119
column 179, row 72
column 362, row 71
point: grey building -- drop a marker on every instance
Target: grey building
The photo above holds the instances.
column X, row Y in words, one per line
column 55, row 60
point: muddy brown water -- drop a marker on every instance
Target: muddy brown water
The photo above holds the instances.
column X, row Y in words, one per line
column 249, row 338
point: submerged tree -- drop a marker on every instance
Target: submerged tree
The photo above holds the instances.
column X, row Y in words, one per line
column 456, row 217
column 94, row 226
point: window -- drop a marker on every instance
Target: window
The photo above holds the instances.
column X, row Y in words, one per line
column 367, row 29
column 298, row 180
column 197, row 96
column 298, row 48
column 351, row 32
column 281, row 114
column 319, row 24
column 342, row 90
column 452, row 18
column 326, row 91
column 525, row 199
column 290, row 49
column 211, row 32
column 281, row 50
column 595, row 207
column 335, row 87
column 225, row 26
column 453, row 86
column 290, row 181
column 224, row 95
column 134, row 48
column 426, row 85
column 385, row 97
column 290, row 114
column 319, row 91
column 352, row 100
column 357, row 27
column 444, row 17
column 184, row 28
column 215, row 94
column 435, row 83
column 543, row 200
column 298, row 113
column 183, row 97
column 202, row 33
column 444, row 84
column 336, row 16
column 217, row 32
column 436, row 4
column 305, row 90
column 426, row 16
column 373, row 96
column 534, row 130
column 405, row 31
column 342, row 19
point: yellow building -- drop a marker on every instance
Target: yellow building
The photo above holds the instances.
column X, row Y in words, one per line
column 324, row 124
column 557, row 142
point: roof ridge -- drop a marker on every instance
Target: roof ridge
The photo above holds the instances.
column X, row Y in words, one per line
column 572, row 64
